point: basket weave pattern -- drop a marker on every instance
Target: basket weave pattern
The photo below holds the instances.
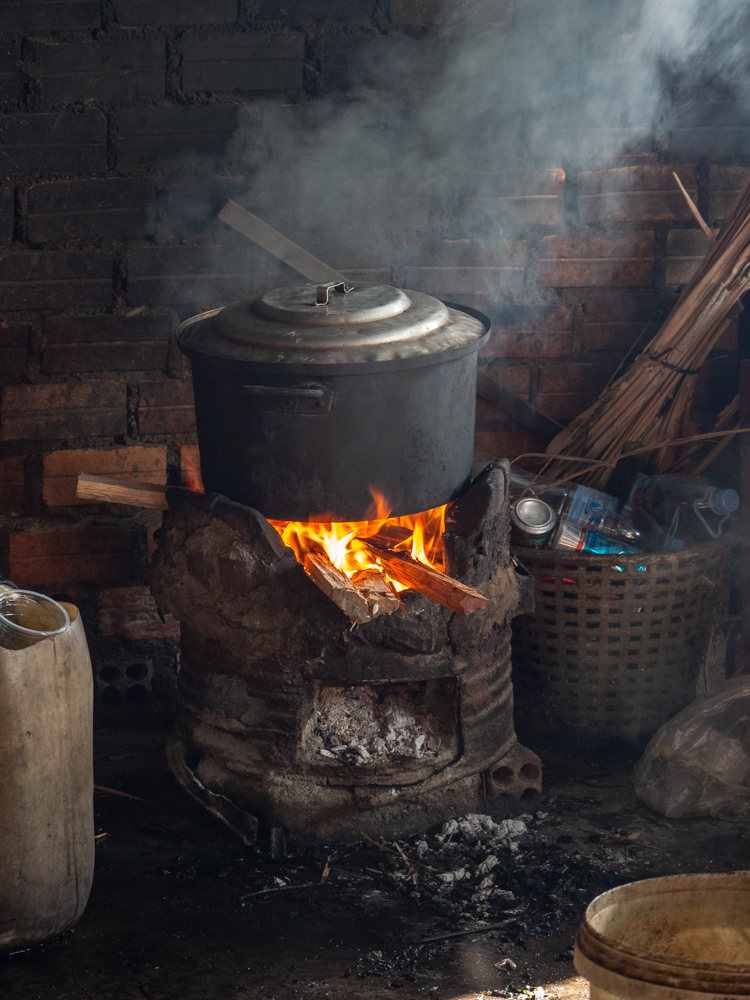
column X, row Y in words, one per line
column 616, row 642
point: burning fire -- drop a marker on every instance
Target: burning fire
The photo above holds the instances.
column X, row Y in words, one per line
column 342, row 540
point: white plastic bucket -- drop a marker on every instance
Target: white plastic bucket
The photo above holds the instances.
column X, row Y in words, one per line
column 684, row 937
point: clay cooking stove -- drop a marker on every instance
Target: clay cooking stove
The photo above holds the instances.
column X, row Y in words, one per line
column 304, row 709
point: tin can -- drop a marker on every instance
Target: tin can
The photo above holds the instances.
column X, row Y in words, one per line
column 579, row 538
column 533, row 521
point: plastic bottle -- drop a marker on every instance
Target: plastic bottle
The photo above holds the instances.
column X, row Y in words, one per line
column 687, row 507
column 616, row 531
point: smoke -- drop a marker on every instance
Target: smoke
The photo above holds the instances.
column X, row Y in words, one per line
column 439, row 136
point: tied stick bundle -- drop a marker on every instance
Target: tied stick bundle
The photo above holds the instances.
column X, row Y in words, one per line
column 651, row 401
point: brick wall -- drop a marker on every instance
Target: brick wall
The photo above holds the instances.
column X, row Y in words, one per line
column 124, row 126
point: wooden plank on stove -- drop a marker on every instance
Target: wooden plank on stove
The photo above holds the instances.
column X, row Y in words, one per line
column 274, row 243
column 337, row 587
column 430, row 582
column 102, row 489
column 516, row 408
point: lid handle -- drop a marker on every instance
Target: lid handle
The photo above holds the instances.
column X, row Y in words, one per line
column 325, row 290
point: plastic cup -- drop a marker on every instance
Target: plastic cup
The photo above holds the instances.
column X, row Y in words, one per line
column 26, row 618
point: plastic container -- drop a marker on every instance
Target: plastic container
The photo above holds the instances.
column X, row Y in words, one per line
column 27, row 617
column 47, row 787
column 673, row 938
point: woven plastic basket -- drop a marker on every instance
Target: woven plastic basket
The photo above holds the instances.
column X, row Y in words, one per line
column 616, row 642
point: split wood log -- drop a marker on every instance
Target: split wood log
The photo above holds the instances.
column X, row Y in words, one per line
column 375, row 588
column 430, row 582
column 392, row 534
column 102, row 489
column 337, row 587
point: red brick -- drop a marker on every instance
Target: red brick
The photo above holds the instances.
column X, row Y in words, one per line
column 166, row 407
column 531, row 333
column 513, row 377
column 147, row 463
column 581, row 259
column 78, row 555
column 513, row 200
column 49, row 15
column 71, row 210
column 724, row 185
column 130, row 613
column 58, row 143
column 39, row 412
column 615, row 323
column 575, row 378
column 635, row 194
column 105, row 343
column 12, row 482
column 686, row 248
column 54, row 279
column 134, row 13
column 257, row 61
column 508, row 444
column 190, row 466
column 132, row 70
column 565, row 405
column 155, row 134
column 14, row 338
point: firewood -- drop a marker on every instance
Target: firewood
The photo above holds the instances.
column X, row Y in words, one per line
column 380, row 598
column 429, row 582
column 337, row 587
column 102, row 489
column 392, row 534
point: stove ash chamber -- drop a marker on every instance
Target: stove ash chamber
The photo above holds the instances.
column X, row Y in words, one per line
column 289, row 717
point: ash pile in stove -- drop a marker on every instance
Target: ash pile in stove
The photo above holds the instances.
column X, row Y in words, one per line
column 290, row 716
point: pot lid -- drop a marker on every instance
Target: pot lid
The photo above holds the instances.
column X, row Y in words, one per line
column 332, row 324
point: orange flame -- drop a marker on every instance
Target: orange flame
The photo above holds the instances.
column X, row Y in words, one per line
column 342, row 540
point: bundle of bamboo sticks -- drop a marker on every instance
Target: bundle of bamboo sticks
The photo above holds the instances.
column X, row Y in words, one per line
column 651, row 401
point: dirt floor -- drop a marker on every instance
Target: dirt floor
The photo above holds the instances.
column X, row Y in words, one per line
column 181, row 911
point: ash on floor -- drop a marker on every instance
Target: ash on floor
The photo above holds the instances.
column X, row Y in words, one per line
column 182, row 911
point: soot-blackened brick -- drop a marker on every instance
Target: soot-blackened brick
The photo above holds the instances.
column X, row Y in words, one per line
column 635, row 194
column 316, row 10
column 166, row 407
column 91, row 209
column 133, row 13
column 686, row 248
column 105, row 343
column 10, row 69
column 724, row 185
column 530, row 332
column 244, row 62
column 63, row 410
column 590, row 257
column 208, row 275
column 14, row 343
column 721, row 127
column 59, row 143
column 147, row 135
column 106, row 71
column 6, row 216
column 55, row 279
column 12, row 482
column 49, row 15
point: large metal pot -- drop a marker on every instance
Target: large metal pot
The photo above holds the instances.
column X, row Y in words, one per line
column 310, row 396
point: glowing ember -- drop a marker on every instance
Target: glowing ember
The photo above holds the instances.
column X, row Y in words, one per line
column 342, row 540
